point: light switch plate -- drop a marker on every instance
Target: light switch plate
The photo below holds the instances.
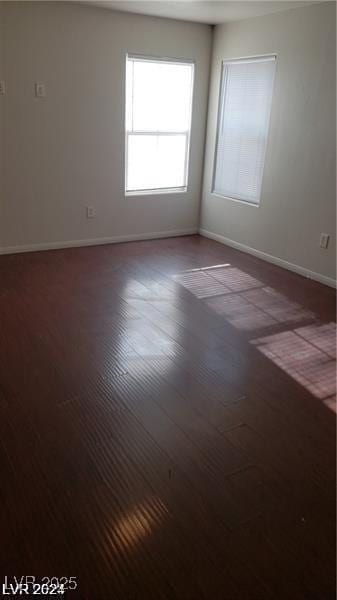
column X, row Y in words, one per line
column 40, row 90
column 91, row 212
column 324, row 240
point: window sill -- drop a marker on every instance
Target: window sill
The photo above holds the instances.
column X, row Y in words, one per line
column 157, row 192
column 245, row 202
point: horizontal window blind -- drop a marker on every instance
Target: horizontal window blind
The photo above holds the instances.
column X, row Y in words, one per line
column 243, row 122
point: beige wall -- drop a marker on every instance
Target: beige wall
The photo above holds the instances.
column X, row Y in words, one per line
column 298, row 194
column 66, row 151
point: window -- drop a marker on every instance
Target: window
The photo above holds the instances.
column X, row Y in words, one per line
column 243, row 121
column 158, row 124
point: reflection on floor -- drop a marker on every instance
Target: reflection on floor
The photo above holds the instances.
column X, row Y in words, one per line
column 138, row 523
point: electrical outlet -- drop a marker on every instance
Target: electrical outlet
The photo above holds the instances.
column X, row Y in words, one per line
column 2, row 88
column 324, row 240
column 91, row 213
column 40, row 90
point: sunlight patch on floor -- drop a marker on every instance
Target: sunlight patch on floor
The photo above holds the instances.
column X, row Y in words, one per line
column 201, row 284
column 244, row 301
column 235, row 279
column 239, row 312
column 304, row 360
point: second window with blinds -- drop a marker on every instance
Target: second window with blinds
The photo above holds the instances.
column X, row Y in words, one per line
column 243, row 122
column 158, row 124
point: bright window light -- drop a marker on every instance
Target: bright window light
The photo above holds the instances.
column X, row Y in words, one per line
column 158, row 124
column 243, row 122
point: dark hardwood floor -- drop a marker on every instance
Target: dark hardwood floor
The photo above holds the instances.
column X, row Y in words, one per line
column 167, row 423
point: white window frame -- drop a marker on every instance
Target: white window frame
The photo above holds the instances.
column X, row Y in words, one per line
column 186, row 133
column 222, row 87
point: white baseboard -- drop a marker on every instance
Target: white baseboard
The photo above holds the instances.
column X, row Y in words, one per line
column 166, row 234
column 269, row 258
column 97, row 241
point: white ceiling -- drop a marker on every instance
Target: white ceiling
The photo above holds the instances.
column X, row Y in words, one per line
column 202, row 11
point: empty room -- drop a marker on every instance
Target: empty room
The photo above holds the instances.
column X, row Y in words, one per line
column 168, row 300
